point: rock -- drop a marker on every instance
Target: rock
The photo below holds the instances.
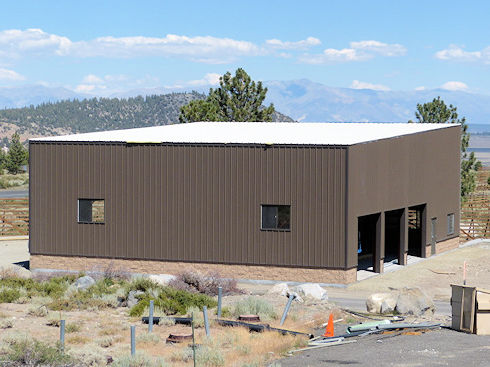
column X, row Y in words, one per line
column 84, row 282
column 162, row 279
column 12, row 270
column 312, row 290
column 388, row 305
column 133, row 298
column 412, row 301
column 375, row 300
column 280, row 289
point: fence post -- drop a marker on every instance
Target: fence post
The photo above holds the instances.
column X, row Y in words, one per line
column 206, row 321
column 286, row 309
column 133, row 340
column 62, row 335
column 150, row 317
column 220, row 295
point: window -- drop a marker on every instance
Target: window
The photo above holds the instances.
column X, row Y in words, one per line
column 450, row 223
column 90, row 211
column 276, row 217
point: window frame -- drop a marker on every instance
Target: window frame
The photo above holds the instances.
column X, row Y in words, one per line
column 274, row 229
column 450, row 224
column 90, row 222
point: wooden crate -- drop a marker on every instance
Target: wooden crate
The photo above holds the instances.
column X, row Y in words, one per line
column 470, row 309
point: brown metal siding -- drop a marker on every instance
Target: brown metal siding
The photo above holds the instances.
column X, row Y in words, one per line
column 402, row 172
column 190, row 202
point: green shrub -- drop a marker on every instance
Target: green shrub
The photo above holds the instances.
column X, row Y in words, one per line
column 31, row 352
column 172, row 301
column 142, row 284
column 9, row 295
column 255, row 306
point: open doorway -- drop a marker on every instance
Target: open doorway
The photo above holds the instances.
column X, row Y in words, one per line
column 393, row 235
column 366, row 236
column 416, row 229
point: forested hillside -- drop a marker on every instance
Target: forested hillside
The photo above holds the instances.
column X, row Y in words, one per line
column 97, row 114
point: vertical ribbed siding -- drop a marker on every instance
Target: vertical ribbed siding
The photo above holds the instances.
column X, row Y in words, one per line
column 190, row 202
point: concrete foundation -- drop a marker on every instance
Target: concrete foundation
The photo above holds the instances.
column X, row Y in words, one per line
column 443, row 246
column 255, row 272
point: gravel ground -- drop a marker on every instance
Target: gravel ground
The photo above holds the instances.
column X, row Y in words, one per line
column 435, row 348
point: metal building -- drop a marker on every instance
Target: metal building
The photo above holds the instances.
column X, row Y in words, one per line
column 302, row 201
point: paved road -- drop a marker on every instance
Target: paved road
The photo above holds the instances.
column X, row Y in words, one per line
column 441, row 347
column 6, row 194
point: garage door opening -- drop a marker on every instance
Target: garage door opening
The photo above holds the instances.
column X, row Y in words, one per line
column 393, row 236
column 366, row 235
column 416, row 230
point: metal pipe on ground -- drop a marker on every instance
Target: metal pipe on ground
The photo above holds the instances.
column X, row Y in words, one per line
column 252, row 327
column 260, row 327
column 178, row 320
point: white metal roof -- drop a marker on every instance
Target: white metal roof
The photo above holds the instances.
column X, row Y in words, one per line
column 304, row 133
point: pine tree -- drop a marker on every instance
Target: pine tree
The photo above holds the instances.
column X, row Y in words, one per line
column 437, row 112
column 238, row 98
column 17, row 155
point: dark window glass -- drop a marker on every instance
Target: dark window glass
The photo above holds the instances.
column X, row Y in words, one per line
column 276, row 217
column 90, row 211
column 450, row 223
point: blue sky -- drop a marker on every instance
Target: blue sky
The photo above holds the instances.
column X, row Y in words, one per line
column 102, row 47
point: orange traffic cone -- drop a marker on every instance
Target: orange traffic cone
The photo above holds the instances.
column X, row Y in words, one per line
column 329, row 329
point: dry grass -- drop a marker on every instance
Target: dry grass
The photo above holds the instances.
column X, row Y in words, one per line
column 6, row 323
column 78, row 339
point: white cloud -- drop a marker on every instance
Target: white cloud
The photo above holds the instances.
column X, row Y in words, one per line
column 92, row 79
column 6, row 74
column 356, row 84
column 456, row 53
column 210, row 79
column 358, row 51
column 15, row 43
column 85, row 88
column 288, row 45
column 380, row 48
column 455, row 86
column 420, row 88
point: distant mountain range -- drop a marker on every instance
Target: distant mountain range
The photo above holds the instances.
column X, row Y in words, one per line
column 97, row 114
column 302, row 100
column 305, row 100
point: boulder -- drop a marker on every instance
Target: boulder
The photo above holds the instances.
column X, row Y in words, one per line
column 375, row 301
column 15, row 271
column 133, row 298
column 84, row 282
column 162, row 279
column 389, row 304
column 312, row 290
column 280, row 289
column 413, row 301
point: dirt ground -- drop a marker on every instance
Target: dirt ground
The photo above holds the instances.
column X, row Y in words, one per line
column 106, row 333
column 435, row 275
